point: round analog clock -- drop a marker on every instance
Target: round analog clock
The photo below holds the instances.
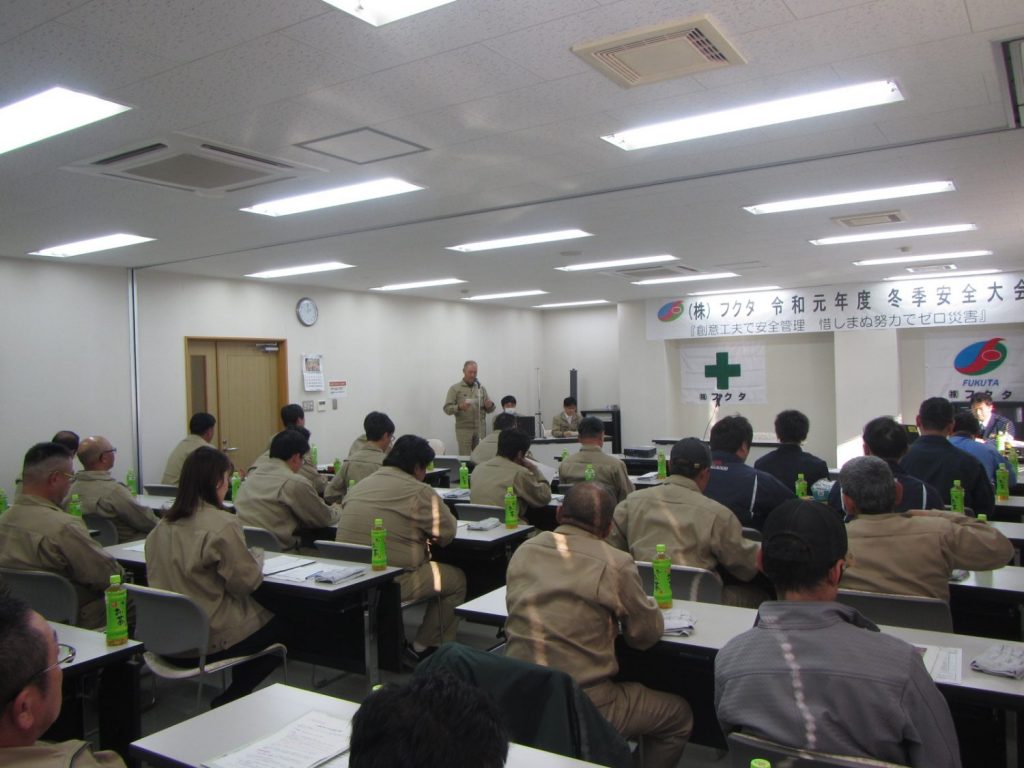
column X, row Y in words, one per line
column 307, row 311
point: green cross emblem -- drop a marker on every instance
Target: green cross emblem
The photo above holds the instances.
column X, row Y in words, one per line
column 721, row 371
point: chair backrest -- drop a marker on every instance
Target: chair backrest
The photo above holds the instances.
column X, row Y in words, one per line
column 752, row 533
column 452, row 464
column 105, row 528
column 477, row 512
column 688, row 583
column 161, row 489
column 261, row 537
column 743, row 748
column 169, row 623
column 49, row 594
column 900, row 610
column 339, row 550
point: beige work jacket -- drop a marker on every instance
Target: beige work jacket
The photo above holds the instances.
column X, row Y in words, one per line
column 607, row 470
column 282, row 501
column 177, row 458
column 100, row 494
column 358, row 466
column 491, row 480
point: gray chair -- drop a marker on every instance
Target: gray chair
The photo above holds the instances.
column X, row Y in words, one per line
column 900, row 610
column 476, row 512
column 49, row 594
column 338, row 550
column 744, row 748
column 452, row 464
column 106, row 531
column 696, row 584
column 172, row 624
column 752, row 534
column 161, row 489
column 261, row 537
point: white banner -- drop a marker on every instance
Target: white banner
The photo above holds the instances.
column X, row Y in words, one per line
column 931, row 302
column 724, row 373
column 955, row 367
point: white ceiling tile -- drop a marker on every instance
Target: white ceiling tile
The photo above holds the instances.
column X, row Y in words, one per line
column 989, row 14
column 20, row 16
column 803, row 9
column 274, row 127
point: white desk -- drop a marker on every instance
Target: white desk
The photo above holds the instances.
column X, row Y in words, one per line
column 160, row 504
column 188, row 744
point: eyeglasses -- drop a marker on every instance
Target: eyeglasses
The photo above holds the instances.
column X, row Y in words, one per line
column 109, row 450
column 65, row 655
column 67, row 475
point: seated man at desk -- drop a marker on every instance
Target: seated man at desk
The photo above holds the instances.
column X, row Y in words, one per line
column 36, row 534
column 933, row 459
column 293, row 417
column 569, row 593
column 909, row 553
column 380, row 431
column 200, row 428
column 789, row 459
column 100, row 494
column 815, row 674
column 30, row 689
column 886, row 438
column 276, row 497
column 750, row 493
column 991, row 422
column 967, row 437
column 487, row 448
column 510, row 468
column 695, row 530
column 567, row 422
column 414, row 517
column 607, row 469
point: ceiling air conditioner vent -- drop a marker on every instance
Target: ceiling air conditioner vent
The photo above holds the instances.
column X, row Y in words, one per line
column 652, row 54
column 193, row 165
column 871, row 219
column 932, row 269
column 650, row 273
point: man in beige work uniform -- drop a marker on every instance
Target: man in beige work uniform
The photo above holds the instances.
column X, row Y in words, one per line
column 467, row 401
column 101, row 495
column 414, row 517
column 365, row 460
column 37, row 535
column 607, row 469
column 568, row 595
column 492, row 479
column 276, row 497
column 200, row 428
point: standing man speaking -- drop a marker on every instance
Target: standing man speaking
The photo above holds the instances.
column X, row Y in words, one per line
column 467, row 401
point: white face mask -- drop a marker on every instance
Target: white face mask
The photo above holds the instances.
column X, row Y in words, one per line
column 510, row 410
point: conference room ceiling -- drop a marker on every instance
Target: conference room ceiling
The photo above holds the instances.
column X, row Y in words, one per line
column 500, row 122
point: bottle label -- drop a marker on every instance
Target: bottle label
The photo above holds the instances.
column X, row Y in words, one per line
column 117, row 615
column 379, row 549
column 662, row 582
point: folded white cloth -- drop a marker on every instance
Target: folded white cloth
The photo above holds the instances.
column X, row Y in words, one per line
column 1002, row 660
column 678, row 622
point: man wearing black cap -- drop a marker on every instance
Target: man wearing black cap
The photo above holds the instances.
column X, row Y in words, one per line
column 695, row 530
column 815, row 674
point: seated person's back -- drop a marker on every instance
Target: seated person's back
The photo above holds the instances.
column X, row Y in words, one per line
column 200, row 427
column 789, row 460
column 510, row 468
column 366, row 459
column 100, row 494
column 607, row 469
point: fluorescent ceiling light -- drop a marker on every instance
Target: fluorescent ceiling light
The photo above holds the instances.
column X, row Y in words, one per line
column 617, row 263
column 570, row 304
column 845, row 198
column 922, row 257
column 737, row 290
column 328, row 198
column 946, row 275
column 894, row 234
column 50, row 113
column 327, row 266
column 378, row 12
column 105, row 243
column 509, row 242
column 421, row 284
column 513, row 295
column 685, row 278
column 758, row 115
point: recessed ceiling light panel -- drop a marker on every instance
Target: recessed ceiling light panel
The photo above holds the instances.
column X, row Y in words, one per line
column 511, row 295
column 328, row 198
column 894, row 234
column 617, row 263
column 511, row 242
column 922, row 257
column 327, row 266
column 571, row 304
column 50, row 113
column 379, row 12
column 736, row 290
column 421, row 284
column 846, row 198
column 105, row 243
column 954, row 273
column 686, row 278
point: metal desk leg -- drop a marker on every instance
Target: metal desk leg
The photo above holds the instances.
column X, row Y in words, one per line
column 370, row 600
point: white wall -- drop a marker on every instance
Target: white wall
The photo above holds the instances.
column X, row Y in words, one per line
column 64, row 347
column 398, row 354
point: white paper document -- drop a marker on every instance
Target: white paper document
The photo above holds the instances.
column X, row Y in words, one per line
column 943, row 664
column 278, row 563
column 138, row 546
column 312, row 740
column 301, row 573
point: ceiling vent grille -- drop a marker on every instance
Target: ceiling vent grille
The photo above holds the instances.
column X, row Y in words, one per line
column 932, row 269
column 193, row 165
column 650, row 273
column 871, row 219
column 652, row 54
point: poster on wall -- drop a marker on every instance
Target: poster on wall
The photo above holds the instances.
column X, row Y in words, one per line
column 956, row 368
column 313, row 373
column 724, row 374
column 924, row 303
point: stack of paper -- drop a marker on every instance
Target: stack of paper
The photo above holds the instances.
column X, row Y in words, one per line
column 277, row 563
column 312, row 740
column 678, row 622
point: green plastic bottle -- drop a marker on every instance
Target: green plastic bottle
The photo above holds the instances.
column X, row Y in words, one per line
column 3, row 500
column 801, row 485
column 337, row 465
column 351, row 483
column 378, row 545
column 565, row 454
column 760, row 762
column 662, row 468
column 511, row 508
column 463, row 475
column 236, row 483
column 116, row 598
column 1002, row 482
column 75, row 506
column 982, row 517
column 132, row 482
column 662, row 567
column 313, row 454
column 1011, row 454
column 588, row 473
column 956, row 497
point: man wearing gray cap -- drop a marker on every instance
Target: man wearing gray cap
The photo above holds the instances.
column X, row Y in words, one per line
column 696, row 531
column 815, row 674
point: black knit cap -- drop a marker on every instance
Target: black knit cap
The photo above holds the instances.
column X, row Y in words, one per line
column 691, row 453
column 804, row 532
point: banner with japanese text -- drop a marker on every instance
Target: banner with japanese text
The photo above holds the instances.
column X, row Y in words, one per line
column 724, row 373
column 955, row 367
column 931, row 302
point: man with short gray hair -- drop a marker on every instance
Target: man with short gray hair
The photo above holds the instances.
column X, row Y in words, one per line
column 607, row 469
column 103, row 496
column 909, row 553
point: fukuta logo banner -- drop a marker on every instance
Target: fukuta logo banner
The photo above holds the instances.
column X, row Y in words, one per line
column 958, row 366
